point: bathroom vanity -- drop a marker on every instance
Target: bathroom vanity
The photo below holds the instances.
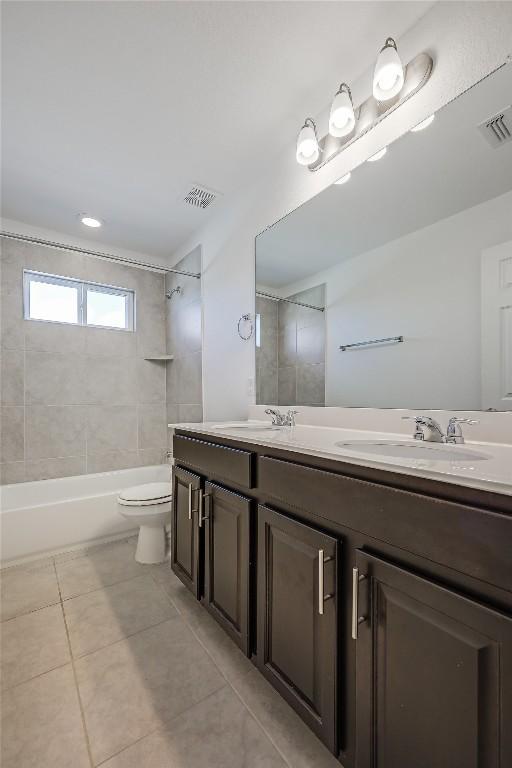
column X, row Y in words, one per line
column 377, row 601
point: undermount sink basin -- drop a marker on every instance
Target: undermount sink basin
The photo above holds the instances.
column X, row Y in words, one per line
column 414, row 450
column 247, row 425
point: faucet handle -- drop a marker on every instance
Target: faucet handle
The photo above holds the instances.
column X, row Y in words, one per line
column 457, row 420
column 290, row 417
column 454, row 432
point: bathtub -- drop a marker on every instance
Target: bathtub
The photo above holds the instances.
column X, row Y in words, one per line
column 50, row 516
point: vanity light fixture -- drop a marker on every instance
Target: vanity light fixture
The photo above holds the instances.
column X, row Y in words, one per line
column 378, row 155
column 424, row 124
column 388, row 76
column 342, row 119
column 344, row 178
column 393, row 84
column 308, row 150
column 90, row 221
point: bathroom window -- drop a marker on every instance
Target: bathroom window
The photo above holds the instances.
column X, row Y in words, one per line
column 57, row 299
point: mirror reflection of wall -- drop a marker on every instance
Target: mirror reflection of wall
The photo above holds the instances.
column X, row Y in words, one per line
column 290, row 347
column 419, row 245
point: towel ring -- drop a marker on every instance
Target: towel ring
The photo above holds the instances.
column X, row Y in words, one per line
column 246, row 319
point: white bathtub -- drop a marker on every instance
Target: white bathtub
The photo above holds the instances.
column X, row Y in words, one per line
column 50, row 516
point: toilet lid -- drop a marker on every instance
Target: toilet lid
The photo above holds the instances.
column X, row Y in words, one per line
column 144, row 495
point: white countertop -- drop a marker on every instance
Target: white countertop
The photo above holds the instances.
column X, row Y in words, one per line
column 491, row 474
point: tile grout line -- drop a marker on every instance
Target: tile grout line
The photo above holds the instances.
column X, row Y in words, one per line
column 253, row 715
column 72, row 661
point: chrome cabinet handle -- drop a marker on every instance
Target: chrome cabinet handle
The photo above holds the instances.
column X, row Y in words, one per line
column 190, row 489
column 202, row 517
column 321, row 597
column 356, row 619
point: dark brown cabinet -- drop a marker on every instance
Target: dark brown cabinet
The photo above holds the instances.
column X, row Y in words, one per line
column 227, row 520
column 433, row 674
column 297, row 617
column 185, row 540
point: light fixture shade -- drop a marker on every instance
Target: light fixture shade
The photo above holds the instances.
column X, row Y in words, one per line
column 344, row 179
column 377, row 155
column 308, row 150
column 424, row 124
column 388, row 77
column 342, row 118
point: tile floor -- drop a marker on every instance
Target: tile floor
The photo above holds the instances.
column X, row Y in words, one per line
column 108, row 662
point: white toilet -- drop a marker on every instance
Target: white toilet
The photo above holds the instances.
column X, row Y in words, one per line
column 149, row 506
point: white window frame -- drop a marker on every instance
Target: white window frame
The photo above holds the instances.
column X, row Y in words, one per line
column 82, row 286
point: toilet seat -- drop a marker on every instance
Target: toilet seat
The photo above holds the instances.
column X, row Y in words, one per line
column 145, row 495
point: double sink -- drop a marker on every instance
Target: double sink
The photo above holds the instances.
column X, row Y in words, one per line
column 395, row 448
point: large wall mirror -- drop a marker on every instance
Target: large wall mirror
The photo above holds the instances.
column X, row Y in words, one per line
column 394, row 289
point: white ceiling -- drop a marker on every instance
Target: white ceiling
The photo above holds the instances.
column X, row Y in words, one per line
column 424, row 177
column 115, row 108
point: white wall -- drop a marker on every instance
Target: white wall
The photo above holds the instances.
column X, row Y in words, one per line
column 467, row 41
column 425, row 286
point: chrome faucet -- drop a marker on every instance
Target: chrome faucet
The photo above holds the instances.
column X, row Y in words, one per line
column 454, row 432
column 427, row 429
column 280, row 419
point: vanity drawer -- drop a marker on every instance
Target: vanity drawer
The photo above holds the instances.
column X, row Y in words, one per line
column 468, row 539
column 215, row 461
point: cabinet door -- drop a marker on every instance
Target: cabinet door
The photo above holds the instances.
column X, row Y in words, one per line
column 185, row 541
column 227, row 566
column 297, row 618
column 433, row 673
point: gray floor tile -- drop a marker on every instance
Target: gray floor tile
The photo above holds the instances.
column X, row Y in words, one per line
column 217, row 733
column 295, row 741
column 33, row 644
column 137, row 685
column 96, row 568
column 104, row 616
column 26, row 588
column 41, row 724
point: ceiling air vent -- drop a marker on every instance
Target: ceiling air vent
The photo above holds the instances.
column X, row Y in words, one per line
column 200, row 197
column 498, row 129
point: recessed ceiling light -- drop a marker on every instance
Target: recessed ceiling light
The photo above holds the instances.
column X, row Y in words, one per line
column 378, row 155
column 344, row 179
column 90, row 221
column 424, row 124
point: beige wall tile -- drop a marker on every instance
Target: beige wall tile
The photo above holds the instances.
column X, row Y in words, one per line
column 54, row 431
column 46, row 469
column 287, row 386
column 54, row 337
column 189, row 372
column 311, row 344
column 12, row 377
column 102, row 341
column 41, row 258
column 150, row 457
column 151, row 376
column 311, row 384
column 152, row 426
column 11, row 312
column 54, row 379
column 12, row 472
column 151, row 330
column 110, row 380
column 12, row 440
column 110, row 427
column 107, row 461
column 190, row 413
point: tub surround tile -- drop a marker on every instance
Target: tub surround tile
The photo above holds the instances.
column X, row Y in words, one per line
column 26, row 588
column 110, row 427
column 152, row 426
column 96, row 568
column 59, row 338
column 54, row 379
column 12, row 472
column 33, row 644
column 287, row 386
column 311, row 384
column 137, row 685
column 53, row 261
column 150, row 457
column 103, row 341
column 108, row 461
column 218, row 733
column 189, row 413
column 311, row 344
column 12, row 433
column 150, row 381
column 41, row 724
column 151, row 329
column 110, row 381
column 53, row 431
column 12, row 377
column 48, row 469
column 11, row 309
column 101, row 618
